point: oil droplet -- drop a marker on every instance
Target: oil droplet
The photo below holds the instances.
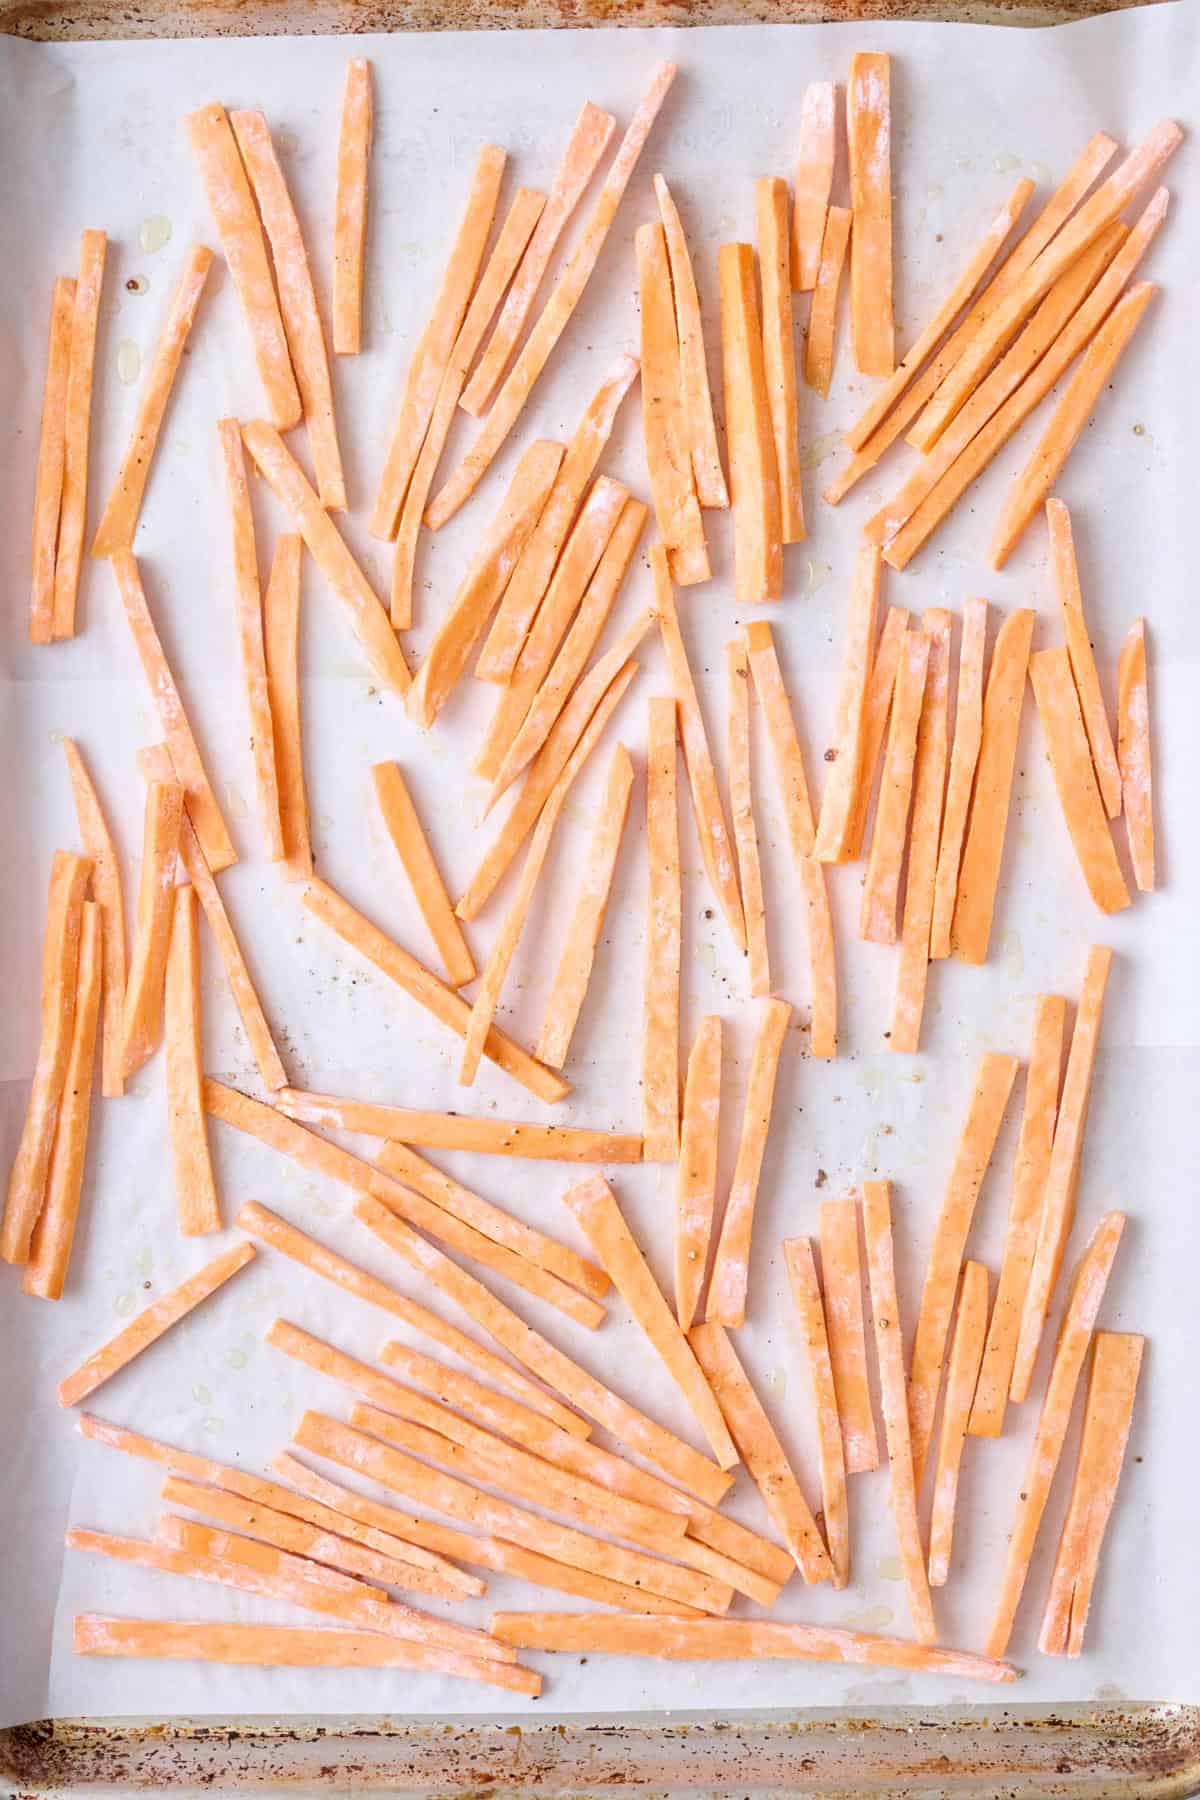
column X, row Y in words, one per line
column 890, row 1568
column 56, row 737
column 235, row 803
column 125, row 1304
column 236, row 1359
column 875, row 1618
column 935, row 192
column 201, row 1395
column 815, row 453
column 129, row 361
column 706, row 956
column 1041, row 174
column 777, row 1382
column 1004, row 164
column 145, row 1260
column 1012, row 951
column 211, row 1424
column 155, row 233
column 818, row 575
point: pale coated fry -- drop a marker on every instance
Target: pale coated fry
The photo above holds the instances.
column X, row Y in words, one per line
column 962, row 1373
column 350, row 207
column 664, row 429
column 810, row 1311
column 106, row 887
column 1074, row 777
column 929, row 779
column 964, row 754
column 660, row 1019
column 869, row 137
column 836, row 822
column 403, row 826
column 881, row 885
column 195, row 1189
column 822, row 317
column 1083, row 660
column 1134, row 754
column 145, row 989
column 841, row 1275
column 281, row 643
column 696, row 1177
column 772, row 697
column 699, row 425
column 741, row 814
column 754, row 481
column 726, row 1304
column 47, row 496
column 249, row 609
column 779, row 352
column 77, row 425
column 813, row 181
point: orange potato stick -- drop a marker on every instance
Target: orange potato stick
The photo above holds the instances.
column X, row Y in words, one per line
column 54, row 1232
column 47, row 497
column 961, row 1376
column 1112, row 1385
column 186, row 765
column 881, row 884
column 329, row 550
column 429, row 890
column 570, row 984
column 423, row 986
column 869, row 140
column 691, row 1470
column 929, row 781
column 195, row 1189
column 664, row 425
column 964, row 755
column 993, row 1085
column 779, row 352
column 513, row 236
column 1074, row 1338
column 726, row 1303
column 77, row 426
column 248, row 602
column 145, row 990
column 759, row 1553
column 1057, row 1210
column 660, row 1011
column 979, row 869
column 696, row 1176
column 841, row 1275
column 149, row 1325
column 1074, row 777
column 551, row 322
column 813, row 181
column 822, row 1039
column 505, row 644
column 1134, row 754
column 700, row 431
column 459, row 1131
column 281, row 643
column 237, row 223
column 589, row 139
column 297, row 302
column 741, row 813
column 880, row 692
column 893, row 1398
column 761, row 1450
column 350, row 207
column 156, row 765
column 1083, row 661
column 810, row 1311
column 434, row 346
column 754, row 480
column 106, row 886
column 836, row 822
column 822, row 317
column 1020, row 1239
column 772, row 697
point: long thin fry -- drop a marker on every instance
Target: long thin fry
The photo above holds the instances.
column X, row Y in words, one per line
column 822, row 317
column 881, row 885
column 660, row 1014
column 699, row 426
column 106, row 886
column 869, row 138
column 696, row 1177
column 1083, row 660
column 459, row 1131
column 772, row 697
column 813, row 181
column 350, row 207
column 1134, row 754
column 77, row 424
column 929, row 779
column 881, row 690
column 664, row 429
column 248, row 606
column 823, row 1032
column 144, row 992
column 779, row 352
column 726, row 1304
column 281, row 644
column 403, row 826
column 47, row 497
column 741, row 814
column 195, row 1189
column 1074, row 777
column 810, row 1310
column 841, row 1276
column 964, row 754
column 754, row 479
column 962, row 1373
column 835, row 825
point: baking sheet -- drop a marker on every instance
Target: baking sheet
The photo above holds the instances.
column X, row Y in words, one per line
column 91, row 134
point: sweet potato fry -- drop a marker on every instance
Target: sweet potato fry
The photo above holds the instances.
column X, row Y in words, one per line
column 929, row 780
column 726, row 1304
column 822, row 1038
column 813, row 181
column 964, row 754
column 350, row 207
column 822, row 317
column 754, row 479
column 47, row 495
column 881, row 885
column 458, row 1131
column 779, row 352
column 1134, row 754
column 835, row 825
column 810, row 1311
column 696, row 1176
column 403, row 826
column 281, row 644
column 195, row 1189
column 145, row 989
column 664, row 429
column 700, row 429
column 1083, row 661
column 841, row 1275
column 106, row 886
column 1074, row 777
column 660, row 1027
column 77, row 426
column 741, row 813
column 962, row 1373
column 880, row 692
column 249, row 609
column 869, row 137
column 772, row 697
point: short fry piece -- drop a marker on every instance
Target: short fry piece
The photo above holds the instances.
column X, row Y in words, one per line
column 822, row 1037
column 836, row 823
column 964, row 754
column 429, row 890
column 696, row 1177
column 881, row 886
column 700, row 429
column 822, row 317
column 350, row 207
column 965, row 1352
column 195, row 1189
column 1083, row 661
column 813, row 181
column 47, row 497
column 754, row 480
column 1134, row 754
column 668, row 458
column 77, row 426
column 741, row 813
column 772, row 697
column 660, row 1022
column 726, row 1304
column 1074, row 777
column 779, row 352
column 106, row 886
column 250, row 633
column 806, row 1294
column 929, row 779
column 841, row 1275
column 144, row 992
column 869, row 137
column 880, row 693
column 281, row 644
column 979, row 870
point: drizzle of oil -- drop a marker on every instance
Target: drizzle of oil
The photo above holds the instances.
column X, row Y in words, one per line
column 145, row 1260
column 201, row 1395
column 818, row 574
column 1012, row 952
column 813, row 454
column 155, row 233
column 236, row 1359
column 777, row 1381
column 890, row 1568
column 124, row 1305
column 211, row 1424
column 129, row 361
column 875, row 1618
column 235, row 803
column 1006, row 163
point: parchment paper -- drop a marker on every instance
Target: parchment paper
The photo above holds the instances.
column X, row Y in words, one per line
column 92, row 135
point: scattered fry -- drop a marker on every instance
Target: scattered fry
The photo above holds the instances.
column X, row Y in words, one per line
column 841, row 1276
column 106, row 886
column 660, row 1027
column 664, row 428
column 836, row 822
column 772, row 697
column 813, row 181
column 964, row 754
column 869, row 136
column 700, row 429
column 77, row 425
column 822, row 317
column 929, row 780
column 754, row 479
column 741, row 812
column 47, row 498
column 1074, row 777
column 779, row 354
column 195, row 1189
column 1083, row 661
column 1134, row 754
column 250, row 633
column 881, row 886
column 822, row 1037
column 281, row 644
column 412, row 846
column 965, row 1352
column 458, row 1131
column 144, row 992
column 696, row 1177
column 806, row 1293
column 350, row 207
column 726, row 1303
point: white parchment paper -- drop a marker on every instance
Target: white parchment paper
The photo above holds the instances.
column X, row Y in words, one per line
column 92, row 135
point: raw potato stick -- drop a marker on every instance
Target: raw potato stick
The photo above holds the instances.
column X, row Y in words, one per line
column 964, row 754
column 772, row 697
column 700, row 429
column 929, row 780
column 281, row 644
column 664, row 429
column 403, row 826
column 297, row 302
column 754, row 478
column 979, row 869
column 881, row 885
column 589, row 139
column 660, row 1015
column 1074, row 1338
column 822, row 317
column 77, row 426
column 822, row 1037
column 726, row 1304
column 233, row 211
column 570, row 984
column 350, row 207
column 761, row 1450
column 145, row 990
column 199, row 1210
column 761, row 1554
column 880, row 692
column 1083, row 661
column 1074, row 777
column 249, row 608
column 810, row 1310
column 893, row 1399
column 741, row 815
column 1134, row 754
column 150, row 1324
column 1020, row 1239
column 434, row 346
column 54, row 1232
column 813, row 181
column 696, row 1176
column 459, row 1131
column 993, row 1085
column 106, row 887
column 841, row 1275
column 551, row 322
column 962, row 1373
column 779, row 352
column 47, row 496
column 836, row 823
column 869, row 139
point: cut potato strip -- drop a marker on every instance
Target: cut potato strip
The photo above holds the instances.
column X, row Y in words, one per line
column 806, row 1294
column 459, row 1131
column 145, row 990
column 54, row 1232
column 841, row 1275
column 726, row 1304
column 979, row 870
column 881, row 884
column 424, row 877
column 761, row 1450
column 725, row 1535
column 350, row 207
column 1134, row 754
column 696, row 1176
column 281, row 643
column 1058, row 1193
column 77, row 427
column 964, row 754
column 1083, row 660
column 836, row 822
column 779, row 351
column 589, row 139
column 962, row 1373
column 869, row 139
column 753, row 470
column 1074, row 777
column 993, row 1085
column 570, row 984
column 232, row 205
column 664, row 922
column 150, row 1324
column 929, row 780
column 555, row 315
column 106, row 886
column 196, row 1200
column 741, row 814
column 700, row 429
column 893, row 1399
column 822, row 317
column 1020, row 1238
column 822, row 1039
column 249, row 609
column 423, row 986
column 880, row 693
column 776, row 706
column 813, row 181
column 47, row 496
column 664, row 429
column 1074, row 1338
